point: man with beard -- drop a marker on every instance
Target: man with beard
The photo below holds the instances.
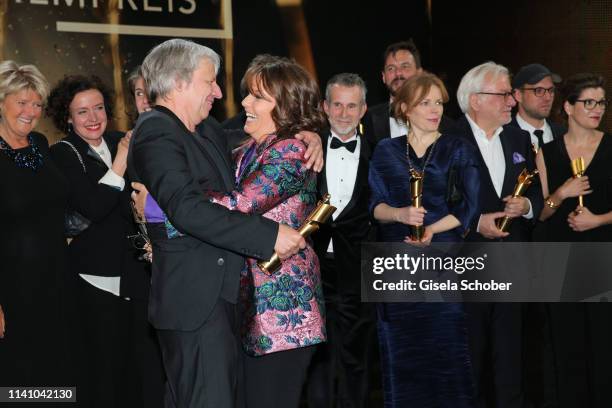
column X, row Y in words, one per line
column 401, row 60
column 534, row 91
column 347, row 356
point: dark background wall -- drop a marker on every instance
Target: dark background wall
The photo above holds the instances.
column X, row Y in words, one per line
column 568, row 36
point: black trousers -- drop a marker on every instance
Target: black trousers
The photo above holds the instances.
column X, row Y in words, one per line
column 201, row 364
column 496, row 349
column 146, row 376
column 276, row 380
column 339, row 375
column 103, row 333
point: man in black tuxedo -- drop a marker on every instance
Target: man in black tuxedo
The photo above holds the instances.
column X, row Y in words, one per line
column 195, row 277
column 350, row 323
column 485, row 96
column 401, row 61
column 534, row 91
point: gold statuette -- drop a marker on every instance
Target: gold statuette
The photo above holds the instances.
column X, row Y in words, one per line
column 578, row 171
column 318, row 216
column 523, row 182
column 416, row 191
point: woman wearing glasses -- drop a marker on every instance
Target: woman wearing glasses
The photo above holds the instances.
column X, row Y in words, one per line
column 584, row 104
column 581, row 333
column 101, row 259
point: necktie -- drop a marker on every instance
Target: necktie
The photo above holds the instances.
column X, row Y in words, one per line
column 337, row 143
column 540, row 135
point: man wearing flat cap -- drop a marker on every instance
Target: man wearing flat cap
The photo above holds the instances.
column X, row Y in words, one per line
column 534, row 91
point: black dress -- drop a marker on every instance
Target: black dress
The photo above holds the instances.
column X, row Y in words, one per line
column 33, row 289
column 581, row 332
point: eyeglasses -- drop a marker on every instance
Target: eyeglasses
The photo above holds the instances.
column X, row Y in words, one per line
column 539, row 91
column 506, row 95
column 589, row 104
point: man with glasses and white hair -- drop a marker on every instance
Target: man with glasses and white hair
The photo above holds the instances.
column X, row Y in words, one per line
column 197, row 259
column 534, row 91
column 485, row 97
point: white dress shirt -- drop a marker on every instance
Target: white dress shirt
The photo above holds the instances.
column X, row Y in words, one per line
column 341, row 173
column 107, row 283
column 493, row 154
column 547, row 136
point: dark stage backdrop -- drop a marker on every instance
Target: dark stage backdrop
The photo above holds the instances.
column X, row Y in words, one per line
column 566, row 35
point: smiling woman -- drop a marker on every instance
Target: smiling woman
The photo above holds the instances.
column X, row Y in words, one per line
column 32, row 244
column 101, row 258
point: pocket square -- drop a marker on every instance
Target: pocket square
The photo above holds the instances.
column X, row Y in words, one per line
column 517, row 158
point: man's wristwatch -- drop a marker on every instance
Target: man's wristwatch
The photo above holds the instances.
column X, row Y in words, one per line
column 551, row 204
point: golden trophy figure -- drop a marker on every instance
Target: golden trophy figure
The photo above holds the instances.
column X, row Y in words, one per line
column 318, row 216
column 416, row 191
column 523, row 182
column 578, row 171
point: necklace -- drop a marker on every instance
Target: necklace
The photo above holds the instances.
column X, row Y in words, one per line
column 24, row 158
column 410, row 165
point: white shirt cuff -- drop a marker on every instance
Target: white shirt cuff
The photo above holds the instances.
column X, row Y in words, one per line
column 529, row 214
column 478, row 226
column 113, row 179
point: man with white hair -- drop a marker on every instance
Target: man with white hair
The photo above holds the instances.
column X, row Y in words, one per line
column 198, row 257
column 485, row 97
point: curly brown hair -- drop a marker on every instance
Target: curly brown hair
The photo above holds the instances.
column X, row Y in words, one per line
column 297, row 95
column 62, row 94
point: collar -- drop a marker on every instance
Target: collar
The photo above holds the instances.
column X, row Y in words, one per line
column 481, row 134
column 354, row 137
column 523, row 124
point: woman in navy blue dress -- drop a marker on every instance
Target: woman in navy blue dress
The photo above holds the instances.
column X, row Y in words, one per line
column 424, row 350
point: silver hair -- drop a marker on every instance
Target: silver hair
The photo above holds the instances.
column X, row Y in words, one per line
column 15, row 78
column 348, row 80
column 173, row 61
column 474, row 80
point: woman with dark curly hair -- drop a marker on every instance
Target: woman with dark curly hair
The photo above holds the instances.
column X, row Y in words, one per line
column 93, row 160
column 283, row 313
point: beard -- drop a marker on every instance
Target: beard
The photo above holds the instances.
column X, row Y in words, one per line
column 537, row 114
column 343, row 130
column 396, row 84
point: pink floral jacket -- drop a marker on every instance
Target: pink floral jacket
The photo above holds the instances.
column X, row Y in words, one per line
column 286, row 310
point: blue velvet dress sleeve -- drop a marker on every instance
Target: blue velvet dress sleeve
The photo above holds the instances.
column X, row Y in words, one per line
column 379, row 191
column 467, row 182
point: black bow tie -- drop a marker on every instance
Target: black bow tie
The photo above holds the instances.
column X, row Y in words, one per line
column 337, row 143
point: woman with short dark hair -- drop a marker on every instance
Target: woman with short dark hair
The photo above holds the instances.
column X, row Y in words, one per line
column 580, row 332
column 101, row 257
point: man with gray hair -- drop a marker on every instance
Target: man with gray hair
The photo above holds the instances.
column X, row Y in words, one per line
column 199, row 246
column 347, row 355
column 485, row 97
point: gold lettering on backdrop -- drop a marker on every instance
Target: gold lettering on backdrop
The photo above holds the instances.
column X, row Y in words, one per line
column 130, row 2
column 188, row 10
column 69, row 3
column 147, row 7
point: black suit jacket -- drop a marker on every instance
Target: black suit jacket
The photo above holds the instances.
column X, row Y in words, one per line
column 191, row 272
column 514, row 141
column 102, row 249
column 377, row 127
column 351, row 227
column 557, row 129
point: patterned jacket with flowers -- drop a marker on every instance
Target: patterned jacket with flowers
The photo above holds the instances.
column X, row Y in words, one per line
column 286, row 310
